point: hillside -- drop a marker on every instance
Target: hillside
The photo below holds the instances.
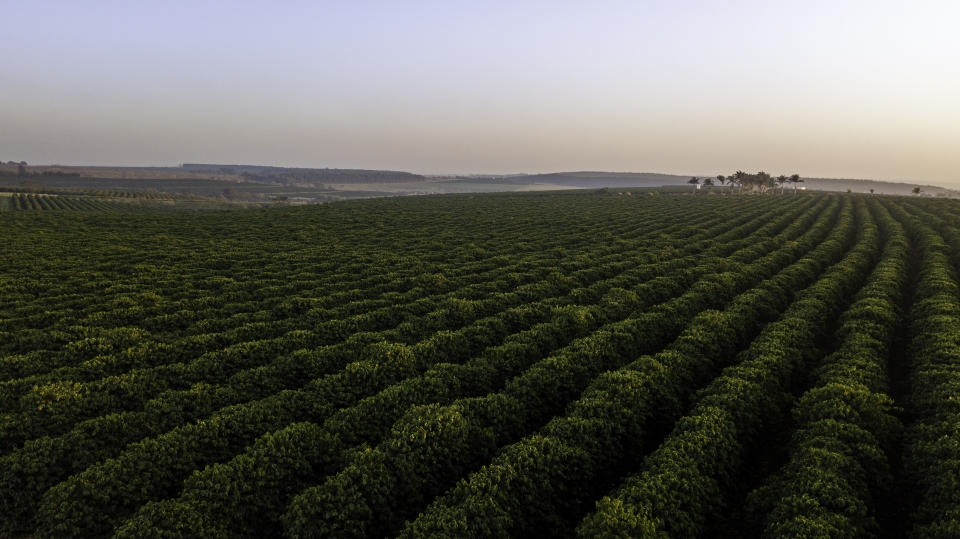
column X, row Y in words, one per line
column 882, row 187
column 309, row 185
column 315, row 177
column 587, row 179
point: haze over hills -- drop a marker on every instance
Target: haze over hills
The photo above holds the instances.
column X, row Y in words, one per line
column 594, row 179
column 591, row 179
column 306, row 185
column 305, row 176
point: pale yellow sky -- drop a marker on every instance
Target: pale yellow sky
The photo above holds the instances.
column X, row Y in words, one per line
column 829, row 89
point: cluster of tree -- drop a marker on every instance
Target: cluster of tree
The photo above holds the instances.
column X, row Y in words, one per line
column 740, row 180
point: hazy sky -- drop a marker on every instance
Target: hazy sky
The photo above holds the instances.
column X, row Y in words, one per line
column 835, row 88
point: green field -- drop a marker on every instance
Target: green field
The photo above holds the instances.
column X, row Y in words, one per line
column 507, row 365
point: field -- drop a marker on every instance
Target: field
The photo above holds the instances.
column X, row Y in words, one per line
column 171, row 187
column 504, row 365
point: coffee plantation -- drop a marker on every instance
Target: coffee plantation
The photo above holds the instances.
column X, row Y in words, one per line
column 563, row 364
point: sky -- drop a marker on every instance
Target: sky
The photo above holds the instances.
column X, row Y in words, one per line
column 841, row 88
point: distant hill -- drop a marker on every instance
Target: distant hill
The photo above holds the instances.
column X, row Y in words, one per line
column 305, row 176
column 589, row 179
column 323, row 184
column 881, row 187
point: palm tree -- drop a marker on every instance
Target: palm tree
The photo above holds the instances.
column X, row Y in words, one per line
column 795, row 179
column 763, row 180
column 722, row 179
column 781, row 181
column 695, row 182
column 739, row 177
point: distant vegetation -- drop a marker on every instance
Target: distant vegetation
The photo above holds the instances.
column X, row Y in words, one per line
column 740, row 181
column 261, row 184
column 753, row 182
column 43, row 202
column 237, row 183
column 316, row 177
column 47, row 199
column 238, row 192
column 582, row 179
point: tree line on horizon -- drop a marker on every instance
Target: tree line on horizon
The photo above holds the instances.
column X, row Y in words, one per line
column 741, row 180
